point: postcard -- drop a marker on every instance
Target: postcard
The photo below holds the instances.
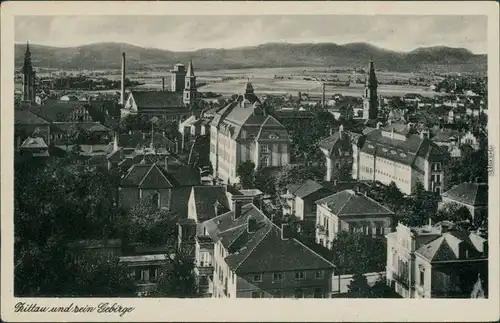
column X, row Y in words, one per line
column 249, row 161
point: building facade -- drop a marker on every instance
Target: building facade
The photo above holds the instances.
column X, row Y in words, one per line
column 178, row 78
column 253, row 258
column 370, row 96
column 405, row 158
column 437, row 261
column 337, row 149
column 243, row 131
column 350, row 211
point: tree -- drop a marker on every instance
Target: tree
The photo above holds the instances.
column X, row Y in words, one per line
column 246, row 173
column 177, row 278
column 358, row 287
column 146, row 223
column 452, row 212
column 297, row 174
column 356, row 252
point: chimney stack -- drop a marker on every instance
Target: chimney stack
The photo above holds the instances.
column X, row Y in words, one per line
column 122, row 90
column 341, row 130
column 236, row 209
column 323, row 97
column 115, row 142
column 163, row 83
column 251, row 225
column 166, row 163
column 285, row 231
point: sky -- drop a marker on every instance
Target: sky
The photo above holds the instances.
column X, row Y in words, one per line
column 186, row 33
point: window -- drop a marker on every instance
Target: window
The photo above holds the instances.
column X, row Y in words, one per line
column 264, row 148
column 257, row 277
column 422, row 277
column 277, row 277
column 299, row 275
column 155, row 199
column 257, row 294
column 264, row 161
column 318, row 274
column 436, row 167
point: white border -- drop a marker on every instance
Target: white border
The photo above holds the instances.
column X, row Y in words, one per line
column 208, row 310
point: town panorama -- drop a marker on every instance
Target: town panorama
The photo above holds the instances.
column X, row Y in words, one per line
column 365, row 177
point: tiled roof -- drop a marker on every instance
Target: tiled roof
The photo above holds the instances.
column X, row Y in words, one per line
column 88, row 126
column 337, row 141
column 205, row 198
column 474, row 194
column 401, row 151
column 149, row 175
column 307, row 187
column 263, row 250
column 447, row 247
column 179, row 201
column 157, row 99
column 56, row 110
column 25, row 117
column 350, row 203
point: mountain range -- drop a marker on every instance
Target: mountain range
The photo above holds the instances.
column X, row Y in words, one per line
column 108, row 56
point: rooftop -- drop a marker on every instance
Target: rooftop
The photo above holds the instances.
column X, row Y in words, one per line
column 157, row 99
column 351, row 203
column 474, row 194
column 262, row 250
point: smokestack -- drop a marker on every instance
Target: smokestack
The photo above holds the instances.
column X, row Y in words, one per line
column 115, row 142
column 163, row 83
column 122, row 90
column 323, row 98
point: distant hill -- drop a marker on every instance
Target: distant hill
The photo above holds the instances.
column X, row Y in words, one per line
column 107, row 55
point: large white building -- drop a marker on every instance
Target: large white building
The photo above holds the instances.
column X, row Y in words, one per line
column 242, row 131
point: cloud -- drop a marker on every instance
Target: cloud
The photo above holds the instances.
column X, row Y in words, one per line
column 178, row 33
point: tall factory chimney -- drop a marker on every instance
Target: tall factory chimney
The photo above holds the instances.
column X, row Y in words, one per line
column 323, row 96
column 163, row 83
column 122, row 90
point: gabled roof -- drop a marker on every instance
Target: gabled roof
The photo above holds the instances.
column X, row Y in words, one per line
column 336, row 140
column 56, row 110
column 306, row 188
column 25, row 117
column 135, row 175
column 262, row 250
column 205, row 198
column 155, row 178
column 447, row 247
column 350, row 203
column 157, row 99
column 474, row 194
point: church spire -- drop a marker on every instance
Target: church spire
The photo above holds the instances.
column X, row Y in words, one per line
column 190, row 71
column 370, row 97
column 190, row 85
column 29, row 90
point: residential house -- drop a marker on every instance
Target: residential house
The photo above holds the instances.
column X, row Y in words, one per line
column 470, row 139
column 34, row 147
column 27, row 124
column 192, row 128
column 474, row 196
column 350, row 211
column 243, row 131
column 437, row 261
column 164, row 186
column 337, row 149
column 300, row 201
column 254, row 258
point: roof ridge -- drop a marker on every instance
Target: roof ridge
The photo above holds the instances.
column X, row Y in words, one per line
column 350, row 196
column 256, row 245
column 383, row 206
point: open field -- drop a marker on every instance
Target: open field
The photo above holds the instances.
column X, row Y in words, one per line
column 282, row 81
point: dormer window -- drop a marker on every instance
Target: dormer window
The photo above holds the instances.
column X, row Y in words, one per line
column 273, row 137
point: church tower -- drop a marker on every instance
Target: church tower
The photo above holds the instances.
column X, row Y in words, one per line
column 370, row 97
column 29, row 90
column 190, row 85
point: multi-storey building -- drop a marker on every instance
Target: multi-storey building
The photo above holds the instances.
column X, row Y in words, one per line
column 254, row 258
column 437, row 261
column 243, row 131
column 337, row 149
column 350, row 211
column 395, row 154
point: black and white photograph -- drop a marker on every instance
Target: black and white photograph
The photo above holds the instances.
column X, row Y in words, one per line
column 249, row 156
